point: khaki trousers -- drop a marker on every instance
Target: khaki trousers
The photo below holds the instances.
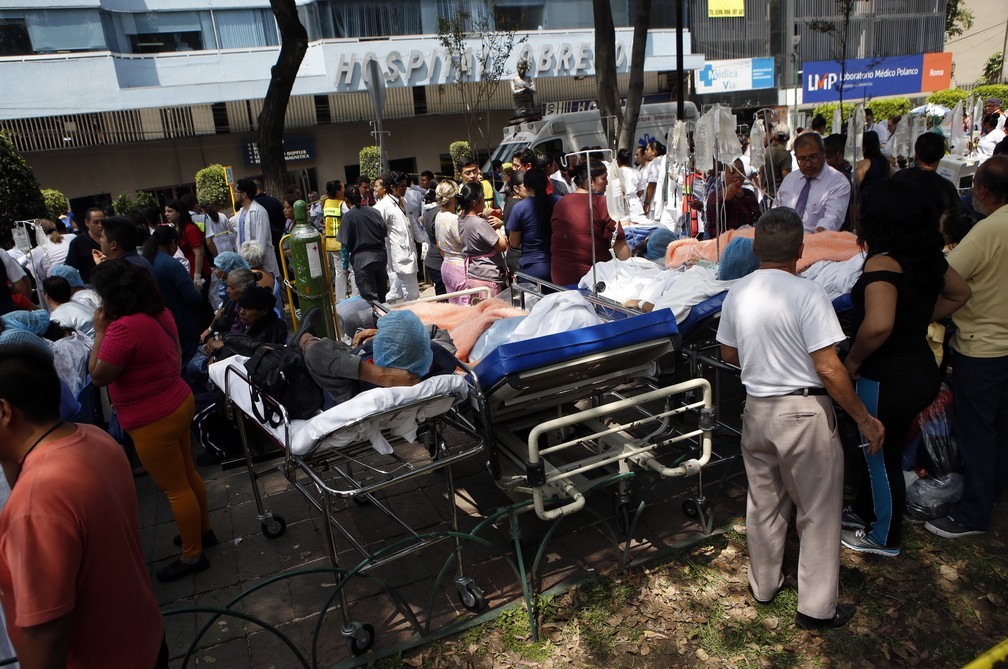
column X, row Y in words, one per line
column 793, row 458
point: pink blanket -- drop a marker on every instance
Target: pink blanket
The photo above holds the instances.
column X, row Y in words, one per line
column 837, row 246
column 464, row 324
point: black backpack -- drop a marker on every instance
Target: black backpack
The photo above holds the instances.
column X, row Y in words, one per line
column 280, row 373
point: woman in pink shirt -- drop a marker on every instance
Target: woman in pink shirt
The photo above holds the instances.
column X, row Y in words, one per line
column 136, row 354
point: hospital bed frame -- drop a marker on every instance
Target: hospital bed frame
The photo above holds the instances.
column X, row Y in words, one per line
column 357, row 472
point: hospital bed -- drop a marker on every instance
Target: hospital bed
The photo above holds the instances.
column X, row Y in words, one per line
column 570, row 408
column 375, row 441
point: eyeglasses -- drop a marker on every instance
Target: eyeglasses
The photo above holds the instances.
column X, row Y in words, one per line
column 813, row 158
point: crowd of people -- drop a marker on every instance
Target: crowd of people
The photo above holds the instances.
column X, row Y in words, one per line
column 143, row 305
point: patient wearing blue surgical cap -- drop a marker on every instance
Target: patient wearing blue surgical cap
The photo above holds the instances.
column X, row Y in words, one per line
column 738, row 260
column 402, row 342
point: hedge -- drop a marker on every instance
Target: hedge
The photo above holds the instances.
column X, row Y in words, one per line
column 133, row 204
column 211, row 186
column 55, row 202
column 950, row 97
column 20, row 194
column 459, row 150
column 370, row 161
column 882, row 109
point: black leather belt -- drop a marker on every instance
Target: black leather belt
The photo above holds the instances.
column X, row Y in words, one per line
column 805, row 392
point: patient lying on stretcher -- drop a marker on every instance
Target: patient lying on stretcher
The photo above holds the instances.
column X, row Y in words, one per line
column 401, row 351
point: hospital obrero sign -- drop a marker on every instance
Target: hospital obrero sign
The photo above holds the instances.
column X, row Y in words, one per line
column 876, row 77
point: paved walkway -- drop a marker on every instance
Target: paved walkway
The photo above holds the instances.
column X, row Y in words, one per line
column 246, row 558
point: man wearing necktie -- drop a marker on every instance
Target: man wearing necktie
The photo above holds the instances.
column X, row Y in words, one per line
column 816, row 191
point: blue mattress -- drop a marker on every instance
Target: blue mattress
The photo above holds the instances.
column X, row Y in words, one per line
column 700, row 312
column 553, row 349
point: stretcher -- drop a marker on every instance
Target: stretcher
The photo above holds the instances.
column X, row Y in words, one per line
column 379, row 439
column 568, row 408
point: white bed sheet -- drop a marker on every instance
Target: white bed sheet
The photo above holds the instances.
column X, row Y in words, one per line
column 304, row 433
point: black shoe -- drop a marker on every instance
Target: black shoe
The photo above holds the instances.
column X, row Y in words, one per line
column 844, row 612
column 178, row 569
column 209, row 539
column 310, row 321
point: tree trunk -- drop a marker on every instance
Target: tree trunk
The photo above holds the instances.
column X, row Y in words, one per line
column 293, row 45
column 635, row 93
column 605, row 67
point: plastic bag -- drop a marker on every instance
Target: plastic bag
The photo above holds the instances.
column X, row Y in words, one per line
column 932, row 497
column 704, row 142
column 757, row 144
column 940, row 447
column 614, row 194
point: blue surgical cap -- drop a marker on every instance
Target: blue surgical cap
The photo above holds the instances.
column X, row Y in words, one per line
column 36, row 322
column 657, row 243
column 13, row 336
column 738, row 259
column 69, row 273
column 402, row 342
column 230, row 261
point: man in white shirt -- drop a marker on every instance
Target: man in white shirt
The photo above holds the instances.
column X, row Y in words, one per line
column 993, row 106
column 254, row 225
column 990, row 138
column 816, row 191
column 781, row 330
column 881, row 129
column 401, row 240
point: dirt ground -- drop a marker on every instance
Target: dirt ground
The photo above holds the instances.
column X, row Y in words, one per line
column 940, row 603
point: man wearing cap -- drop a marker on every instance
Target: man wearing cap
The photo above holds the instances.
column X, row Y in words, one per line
column 78, row 291
column 993, row 106
column 777, row 160
column 401, row 354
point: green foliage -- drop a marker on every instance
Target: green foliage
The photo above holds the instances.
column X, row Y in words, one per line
column 958, row 19
column 370, row 161
column 882, row 109
column 133, row 204
column 211, row 185
column 999, row 91
column 459, row 150
column 20, row 194
column 992, row 68
column 55, row 202
column 949, row 97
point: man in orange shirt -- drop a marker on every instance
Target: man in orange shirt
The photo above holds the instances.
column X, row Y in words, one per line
column 73, row 583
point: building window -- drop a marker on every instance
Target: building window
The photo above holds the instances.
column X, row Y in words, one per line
column 244, row 28
column 14, row 40
column 160, row 32
column 366, row 18
column 63, row 30
column 519, row 14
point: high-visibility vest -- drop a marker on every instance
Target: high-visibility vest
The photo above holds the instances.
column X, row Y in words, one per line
column 332, row 212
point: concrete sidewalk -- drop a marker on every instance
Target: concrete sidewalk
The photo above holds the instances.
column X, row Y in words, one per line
column 246, row 558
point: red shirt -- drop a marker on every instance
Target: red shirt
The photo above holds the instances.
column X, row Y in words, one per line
column 149, row 387
column 190, row 238
column 70, row 543
column 571, row 242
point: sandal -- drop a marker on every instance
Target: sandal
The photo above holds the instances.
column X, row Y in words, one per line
column 179, row 569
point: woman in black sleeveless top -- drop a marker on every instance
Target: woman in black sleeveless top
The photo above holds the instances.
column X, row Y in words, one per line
column 873, row 169
column 905, row 286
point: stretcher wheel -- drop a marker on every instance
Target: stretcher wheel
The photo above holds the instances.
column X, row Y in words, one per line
column 472, row 598
column 691, row 508
column 274, row 527
column 362, row 640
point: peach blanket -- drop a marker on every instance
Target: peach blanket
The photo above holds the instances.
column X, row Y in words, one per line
column 464, row 324
column 837, row 246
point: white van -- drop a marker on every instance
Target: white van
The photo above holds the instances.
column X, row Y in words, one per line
column 571, row 131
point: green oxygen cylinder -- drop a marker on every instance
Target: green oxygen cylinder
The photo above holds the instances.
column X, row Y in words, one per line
column 308, row 265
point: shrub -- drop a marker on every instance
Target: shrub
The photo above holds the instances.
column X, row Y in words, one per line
column 993, row 91
column 948, row 98
column 370, row 161
column 211, row 185
column 133, row 204
column 55, row 203
column 459, row 150
column 20, row 194
column 882, row 109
